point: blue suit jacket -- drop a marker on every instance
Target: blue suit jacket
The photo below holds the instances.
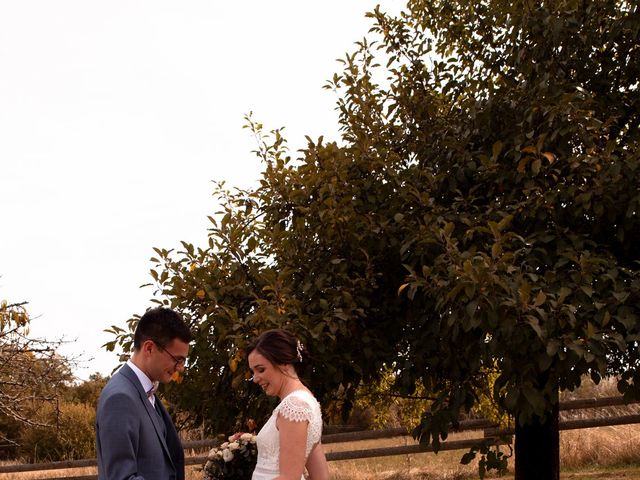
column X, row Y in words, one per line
column 132, row 440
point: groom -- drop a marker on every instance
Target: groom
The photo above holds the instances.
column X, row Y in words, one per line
column 135, row 437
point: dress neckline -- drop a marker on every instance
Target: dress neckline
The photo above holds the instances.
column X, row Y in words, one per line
column 302, row 390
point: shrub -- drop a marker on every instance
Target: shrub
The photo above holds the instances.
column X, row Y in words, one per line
column 70, row 436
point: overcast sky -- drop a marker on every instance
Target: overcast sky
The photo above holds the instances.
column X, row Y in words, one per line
column 115, row 116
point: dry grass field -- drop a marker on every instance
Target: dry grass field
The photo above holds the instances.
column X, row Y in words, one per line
column 603, row 453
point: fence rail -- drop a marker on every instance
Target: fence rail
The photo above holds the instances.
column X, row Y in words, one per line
column 492, row 434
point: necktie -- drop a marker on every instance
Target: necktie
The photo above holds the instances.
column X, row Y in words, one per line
column 153, row 389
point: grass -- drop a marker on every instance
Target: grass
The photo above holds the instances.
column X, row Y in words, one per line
column 446, row 464
column 604, row 446
column 607, row 473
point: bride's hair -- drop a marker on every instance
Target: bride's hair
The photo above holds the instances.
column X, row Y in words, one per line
column 280, row 347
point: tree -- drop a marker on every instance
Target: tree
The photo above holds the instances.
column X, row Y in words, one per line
column 31, row 374
column 480, row 213
column 528, row 142
column 87, row 391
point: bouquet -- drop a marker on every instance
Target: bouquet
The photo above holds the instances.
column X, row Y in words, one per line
column 233, row 460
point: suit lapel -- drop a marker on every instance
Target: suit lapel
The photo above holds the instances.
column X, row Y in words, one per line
column 156, row 419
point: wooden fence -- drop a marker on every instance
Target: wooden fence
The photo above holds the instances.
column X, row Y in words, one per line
column 491, row 434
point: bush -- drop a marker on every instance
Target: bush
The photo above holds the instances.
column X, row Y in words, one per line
column 381, row 405
column 71, row 435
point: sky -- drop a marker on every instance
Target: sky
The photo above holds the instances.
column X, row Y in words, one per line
column 115, row 118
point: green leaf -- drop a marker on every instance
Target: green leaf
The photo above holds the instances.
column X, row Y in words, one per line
column 588, row 290
column 552, row 347
column 505, row 222
column 535, row 166
column 251, row 244
column 621, row 296
column 564, row 292
column 468, row 268
column 448, row 228
column 522, row 165
column 467, row 458
column 535, row 324
column 496, row 149
column 524, row 291
column 495, row 230
column 472, row 307
column 540, row 299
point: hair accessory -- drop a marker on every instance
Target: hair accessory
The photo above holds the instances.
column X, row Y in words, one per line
column 299, row 347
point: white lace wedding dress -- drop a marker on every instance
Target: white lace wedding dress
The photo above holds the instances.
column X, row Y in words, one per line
column 298, row 406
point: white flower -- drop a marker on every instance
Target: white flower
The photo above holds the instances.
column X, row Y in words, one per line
column 212, row 453
column 246, row 436
column 224, row 445
column 227, row 455
column 234, row 446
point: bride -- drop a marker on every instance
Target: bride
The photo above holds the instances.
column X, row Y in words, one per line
column 290, row 440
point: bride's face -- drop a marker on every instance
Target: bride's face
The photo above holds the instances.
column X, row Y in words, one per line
column 268, row 376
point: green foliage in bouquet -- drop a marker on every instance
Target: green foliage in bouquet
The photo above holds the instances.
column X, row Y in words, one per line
column 232, row 460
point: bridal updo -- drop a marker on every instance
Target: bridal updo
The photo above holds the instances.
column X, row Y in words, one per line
column 280, row 347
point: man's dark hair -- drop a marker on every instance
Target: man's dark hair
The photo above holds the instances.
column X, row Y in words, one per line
column 162, row 325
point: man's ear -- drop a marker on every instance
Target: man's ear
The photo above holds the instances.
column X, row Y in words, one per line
column 147, row 346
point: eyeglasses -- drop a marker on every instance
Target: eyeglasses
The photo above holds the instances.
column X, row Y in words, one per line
column 182, row 362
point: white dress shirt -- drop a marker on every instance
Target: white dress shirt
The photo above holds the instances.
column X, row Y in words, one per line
column 147, row 384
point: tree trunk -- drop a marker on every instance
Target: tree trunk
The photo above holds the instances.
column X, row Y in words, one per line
column 537, row 448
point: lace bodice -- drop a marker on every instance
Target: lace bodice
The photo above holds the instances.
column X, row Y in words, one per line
column 298, row 406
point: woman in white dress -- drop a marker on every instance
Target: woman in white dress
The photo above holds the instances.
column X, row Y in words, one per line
column 290, row 440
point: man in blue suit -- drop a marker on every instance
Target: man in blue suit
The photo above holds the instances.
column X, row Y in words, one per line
column 135, row 437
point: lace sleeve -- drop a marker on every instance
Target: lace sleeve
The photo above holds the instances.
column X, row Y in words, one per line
column 295, row 409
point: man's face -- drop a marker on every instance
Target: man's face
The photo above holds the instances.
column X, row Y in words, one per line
column 167, row 359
